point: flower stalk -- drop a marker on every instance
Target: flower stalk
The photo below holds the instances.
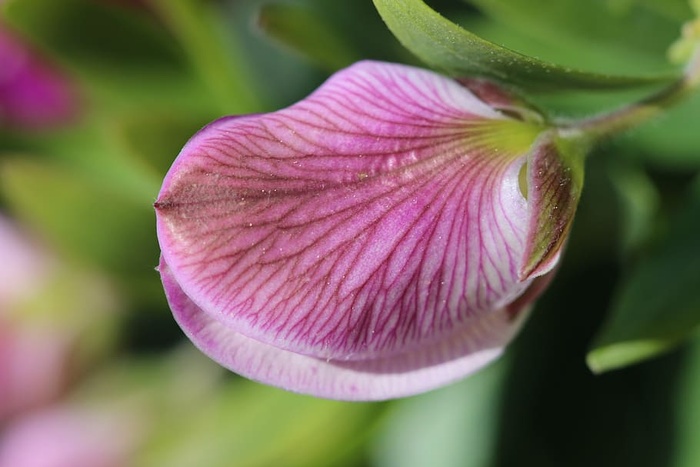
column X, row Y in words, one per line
column 593, row 129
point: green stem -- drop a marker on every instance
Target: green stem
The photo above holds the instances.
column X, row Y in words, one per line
column 600, row 126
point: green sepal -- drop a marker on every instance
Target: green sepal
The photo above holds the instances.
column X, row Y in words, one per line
column 555, row 169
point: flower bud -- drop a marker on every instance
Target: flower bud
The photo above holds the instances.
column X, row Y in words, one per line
column 382, row 237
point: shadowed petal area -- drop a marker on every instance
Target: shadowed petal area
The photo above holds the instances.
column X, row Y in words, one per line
column 376, row 379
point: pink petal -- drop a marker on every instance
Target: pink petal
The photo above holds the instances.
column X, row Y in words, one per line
column 430, row 367
column 69, row 437
column 378, row 225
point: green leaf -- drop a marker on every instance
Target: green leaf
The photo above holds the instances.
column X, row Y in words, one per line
column 251, row 425
column 672, row 141
column 215, row 54
column 444, row 45
column 304, row 31
column 456, row 426
column 152, row 140
column 105, row 148
column 658, row 306
column 634, row 34
column 576, row 34
column 639, row 203
column 695, row 4
column 80, row 215
column 687, row 412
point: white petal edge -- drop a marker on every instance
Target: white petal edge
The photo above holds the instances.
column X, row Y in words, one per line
column 374, row 379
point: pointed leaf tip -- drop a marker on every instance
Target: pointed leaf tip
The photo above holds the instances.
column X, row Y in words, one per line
column 658, row 306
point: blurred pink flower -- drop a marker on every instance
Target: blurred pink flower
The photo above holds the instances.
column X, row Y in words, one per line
column 32, row 356
column 47, row 314
column 34, row 93
column 69, row 437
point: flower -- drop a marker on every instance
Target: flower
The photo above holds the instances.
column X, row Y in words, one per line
column 32, row 357
column 34, row 94
column 74, row 436
column 382, row 237
column 53, row 319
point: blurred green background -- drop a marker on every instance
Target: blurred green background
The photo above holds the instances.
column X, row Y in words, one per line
column 144, row 75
